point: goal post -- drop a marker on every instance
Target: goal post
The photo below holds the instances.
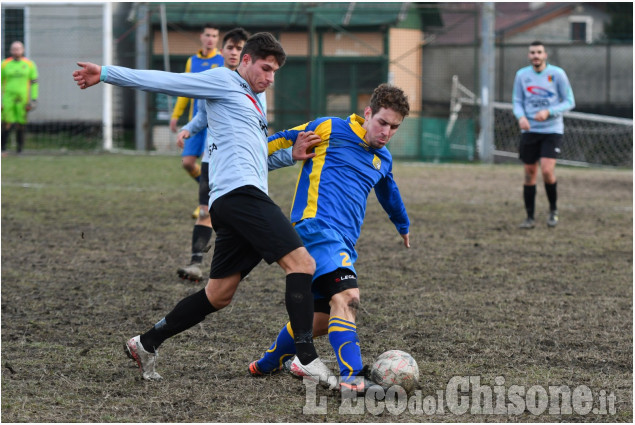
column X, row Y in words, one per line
column 107, row 101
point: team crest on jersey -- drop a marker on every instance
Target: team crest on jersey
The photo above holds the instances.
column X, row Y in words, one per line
column 376, row 162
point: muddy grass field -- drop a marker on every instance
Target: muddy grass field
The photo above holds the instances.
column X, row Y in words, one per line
column 91, row 244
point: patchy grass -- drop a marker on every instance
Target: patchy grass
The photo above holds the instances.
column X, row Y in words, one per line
column 91, row 243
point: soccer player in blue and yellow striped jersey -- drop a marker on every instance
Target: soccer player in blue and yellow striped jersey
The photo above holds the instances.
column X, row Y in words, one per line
column 328, row 211
column 208, row 57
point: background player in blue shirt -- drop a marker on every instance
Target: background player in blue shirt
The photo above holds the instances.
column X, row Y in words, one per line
column 233, row 43
column 208, row 57
column 328, row 211
column 541, row 95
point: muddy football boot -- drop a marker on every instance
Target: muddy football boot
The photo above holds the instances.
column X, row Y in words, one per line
column 254, row 370
column 527, row 224
column 552, row 221
column 358, row 386
column 316, row 371
column 145, row 360
column 191, row 272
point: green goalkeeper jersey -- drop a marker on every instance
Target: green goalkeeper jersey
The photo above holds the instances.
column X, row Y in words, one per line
column 19, row 79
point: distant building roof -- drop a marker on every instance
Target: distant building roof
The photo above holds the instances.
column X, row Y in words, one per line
column 461, row 21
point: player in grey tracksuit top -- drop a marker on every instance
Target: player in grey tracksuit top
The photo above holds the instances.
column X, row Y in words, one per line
column 541, row 95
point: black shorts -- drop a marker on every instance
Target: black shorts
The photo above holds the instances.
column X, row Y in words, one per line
column 249, row 227
column 534, row 146
column 203, row 185
column 329, row 284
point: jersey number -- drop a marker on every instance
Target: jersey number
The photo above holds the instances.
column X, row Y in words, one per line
column 346, row 261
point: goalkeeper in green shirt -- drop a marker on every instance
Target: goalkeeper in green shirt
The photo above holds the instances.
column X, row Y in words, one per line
column 19, row 93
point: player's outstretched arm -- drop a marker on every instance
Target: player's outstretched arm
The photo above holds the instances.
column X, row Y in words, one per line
column 88, row 75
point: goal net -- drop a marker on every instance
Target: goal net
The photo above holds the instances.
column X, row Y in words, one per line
column 589, row 139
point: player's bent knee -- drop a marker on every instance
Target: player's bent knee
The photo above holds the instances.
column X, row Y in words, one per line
column 298, row 261
column 348, row 300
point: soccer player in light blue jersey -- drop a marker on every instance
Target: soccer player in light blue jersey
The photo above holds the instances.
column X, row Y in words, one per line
column 249, row 226
column 541, row 95
column 328, row 211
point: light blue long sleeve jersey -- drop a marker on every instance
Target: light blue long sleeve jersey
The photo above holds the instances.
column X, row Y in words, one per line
column 549, row 89
column 278, row 159
column 236, row 120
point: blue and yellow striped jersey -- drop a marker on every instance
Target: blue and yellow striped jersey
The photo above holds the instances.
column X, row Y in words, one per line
column 335, row 184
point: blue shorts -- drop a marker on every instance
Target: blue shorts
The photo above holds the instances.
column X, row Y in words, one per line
column 195, row 144
column 329, row 248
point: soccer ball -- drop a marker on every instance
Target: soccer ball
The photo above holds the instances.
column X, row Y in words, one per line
column 396, row 367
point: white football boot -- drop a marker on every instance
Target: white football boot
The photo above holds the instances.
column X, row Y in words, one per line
column 316, row 370
column 145, row 360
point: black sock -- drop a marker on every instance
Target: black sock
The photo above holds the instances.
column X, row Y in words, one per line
column 20, row 138
column 187, row 313
column 200, row 238
column 529, row 193
column 5, row 138
column 299, row 302
column 552, row 195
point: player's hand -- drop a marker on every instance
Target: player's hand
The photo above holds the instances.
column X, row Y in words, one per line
column 173, row 122
column 523, row 123
column 306, row 141
column 542, row 115
column 31, row 105
column 88, row 75
column 180, row 138
column 406, row 240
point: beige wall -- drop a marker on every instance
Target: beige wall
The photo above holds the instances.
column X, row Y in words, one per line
column 404, row 69
column 295, row 43
column 179, row 43
column 353, row 44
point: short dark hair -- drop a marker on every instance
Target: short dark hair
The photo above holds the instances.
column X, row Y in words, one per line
column 262, row 45
column 208, row 25
column 236, row 35
column 389, row 97
column 537, row 43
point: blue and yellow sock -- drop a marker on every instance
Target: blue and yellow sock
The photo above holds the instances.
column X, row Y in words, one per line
column 282, row 349
column 196, row 173
column 345, row 342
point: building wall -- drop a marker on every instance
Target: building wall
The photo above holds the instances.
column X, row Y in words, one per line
column 601, row 76
column 404, row 70
column 59, row 37
column 558, row 30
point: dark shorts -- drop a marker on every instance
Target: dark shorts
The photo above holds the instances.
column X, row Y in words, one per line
column 203, row 185
column 329, row 284
column 534, row 146
column 249, row 227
